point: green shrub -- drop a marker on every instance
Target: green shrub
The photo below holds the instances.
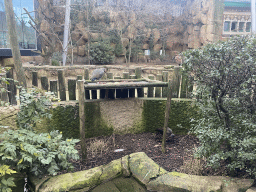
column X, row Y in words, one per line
column 101, row 53
column 39, row 154
column 5, row 183
column 225, row 76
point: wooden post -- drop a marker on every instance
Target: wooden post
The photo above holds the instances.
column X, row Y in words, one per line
column 78, row 77
column 132, row 91
column 62, row 88
column 86, row 77
column 151, row 89
column 11, row 88
column 167, row 113
column 110, row 92
column 124, row 92
column 176, row 82
column 125, row 75
column 44, row 83
column 165, row 79
column 54, row 87
column 72, row 89
column 34, row 79
column 82, row 118
column 140, row 91
column 118, row 91
column 86, row 74
column 159, row 77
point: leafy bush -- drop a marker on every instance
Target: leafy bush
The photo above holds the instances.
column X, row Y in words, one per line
column 28, row 152
column 101, row 53
column 33, row 106
column 5, row 183
column 39, row 154
column 225, row 73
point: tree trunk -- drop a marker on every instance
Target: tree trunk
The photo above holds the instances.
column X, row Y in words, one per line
column 14, row 43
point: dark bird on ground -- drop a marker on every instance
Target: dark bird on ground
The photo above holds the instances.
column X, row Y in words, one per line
column 98, row 73
column 169, row 136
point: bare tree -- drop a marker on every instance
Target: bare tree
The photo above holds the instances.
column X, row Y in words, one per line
column 14, row 43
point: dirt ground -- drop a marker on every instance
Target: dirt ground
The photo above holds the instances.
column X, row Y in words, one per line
column 177, row 158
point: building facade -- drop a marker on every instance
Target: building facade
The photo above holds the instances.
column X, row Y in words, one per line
column 27, row 37
column 236, row 18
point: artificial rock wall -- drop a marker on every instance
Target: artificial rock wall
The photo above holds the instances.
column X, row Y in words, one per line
column 199, row 23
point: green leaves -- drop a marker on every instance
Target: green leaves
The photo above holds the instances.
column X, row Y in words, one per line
column 39, row 154
column 101, row 53
column 225, row 73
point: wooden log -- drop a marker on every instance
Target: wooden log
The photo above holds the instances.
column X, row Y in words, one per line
column 176, row 82
column 72, row 89
column 62, row 88
column 54, row 87
column 34, row 79
column 44, row 83
column 138, row 72
column 110, row 94
column 12, row 91
column 151, row 89
column 158, row 90
column 118, row 91
column 165, row 79
column 127, row 85
column 167, row 114
column 86, row 74
column 132, row 90
column 82, row 118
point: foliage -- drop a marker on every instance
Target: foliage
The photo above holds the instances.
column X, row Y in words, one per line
column 118, row 50
column 33, row 106
column 3, row 82
column 101, row 53
column 66, row 120
column 6, row 183
column 225, row 77
column 153, row 55
column 39, row 154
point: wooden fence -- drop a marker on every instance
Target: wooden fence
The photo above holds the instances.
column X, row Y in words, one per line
column 114, row 87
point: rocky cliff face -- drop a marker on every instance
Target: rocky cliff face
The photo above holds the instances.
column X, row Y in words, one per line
column 156, row 26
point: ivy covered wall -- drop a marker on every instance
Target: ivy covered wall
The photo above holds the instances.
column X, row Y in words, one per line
column 151, row 117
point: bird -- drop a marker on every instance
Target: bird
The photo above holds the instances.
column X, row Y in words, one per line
column 98, row 73
column 170, row 135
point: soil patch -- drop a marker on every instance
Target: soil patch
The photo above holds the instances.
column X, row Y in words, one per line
column 178, row 150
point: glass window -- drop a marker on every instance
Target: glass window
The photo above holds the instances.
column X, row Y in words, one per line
column 147, row 52
column 248, row 27
column 234, row 26
column 26, row 33
column 241, row 27
column 227, row 26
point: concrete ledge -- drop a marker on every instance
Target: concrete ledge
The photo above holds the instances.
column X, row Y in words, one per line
column 150, row 176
